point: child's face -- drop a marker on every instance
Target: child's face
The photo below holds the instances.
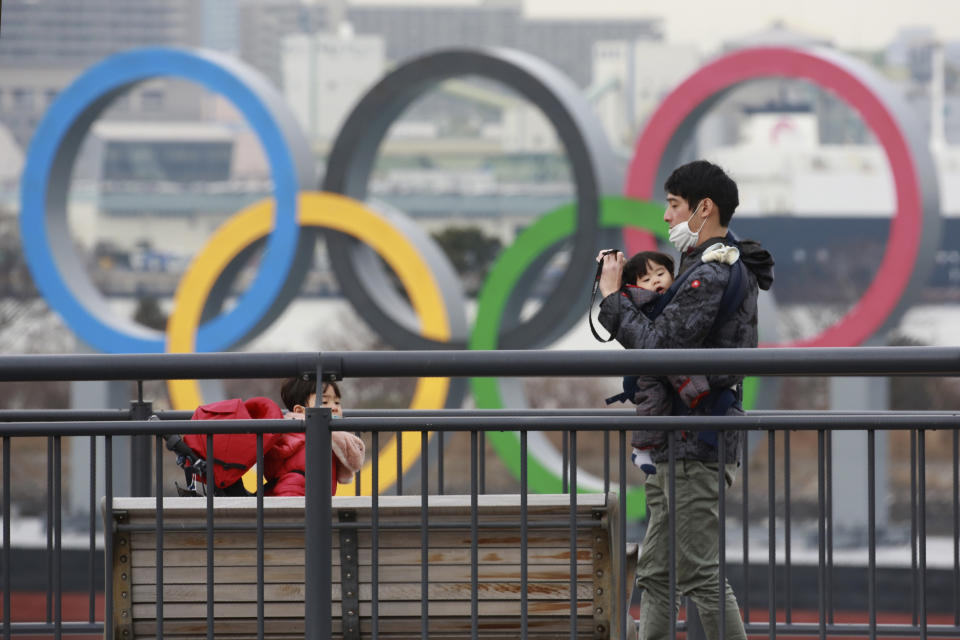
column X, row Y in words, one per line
column 328, row 399
column 332, row 400
column 657, row 278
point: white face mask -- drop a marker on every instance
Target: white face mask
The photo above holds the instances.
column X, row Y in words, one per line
column 682, row 237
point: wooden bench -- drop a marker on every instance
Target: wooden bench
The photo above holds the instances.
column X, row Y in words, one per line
column 133, row 570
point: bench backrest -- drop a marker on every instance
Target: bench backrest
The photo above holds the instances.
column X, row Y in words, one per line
column 399, row 567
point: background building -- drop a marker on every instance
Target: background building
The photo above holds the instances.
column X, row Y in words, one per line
column 324, row 75
column 631, row 77
column 46, row 44
column 411, row 29
column 470, row 153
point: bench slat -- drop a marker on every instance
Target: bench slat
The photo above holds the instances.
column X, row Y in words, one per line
column 388, row 539
column 291, row 509
column 387, row 609
column 240, row 558
column 436, row 591
column 388, row 573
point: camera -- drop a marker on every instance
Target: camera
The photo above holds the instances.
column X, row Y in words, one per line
column 593, row 295
column 600, row 260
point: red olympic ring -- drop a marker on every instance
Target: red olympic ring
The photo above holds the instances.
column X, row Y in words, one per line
column 689, row 101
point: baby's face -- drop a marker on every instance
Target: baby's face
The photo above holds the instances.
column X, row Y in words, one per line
column 657, row 278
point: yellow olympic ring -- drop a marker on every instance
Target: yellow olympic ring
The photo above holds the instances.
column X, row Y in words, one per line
column 331, row 211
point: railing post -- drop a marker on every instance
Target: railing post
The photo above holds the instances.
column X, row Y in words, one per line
column 140, row 459
column 318, row 534
column 695, row 630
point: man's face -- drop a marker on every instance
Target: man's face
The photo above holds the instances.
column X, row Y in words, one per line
column 677, row 211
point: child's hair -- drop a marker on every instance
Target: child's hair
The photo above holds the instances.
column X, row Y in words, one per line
column 298, row 390
column 636, row 266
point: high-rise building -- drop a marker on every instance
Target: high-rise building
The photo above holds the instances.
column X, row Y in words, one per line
column 68, row 34
column 325, row 74
column 263, row 24
column 411, row 29
column 45, row 45
column 567, row 44
column 220, row 25
column 632, row 77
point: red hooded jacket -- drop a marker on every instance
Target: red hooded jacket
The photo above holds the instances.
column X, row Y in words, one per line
column 285, row 464
column 284, row 454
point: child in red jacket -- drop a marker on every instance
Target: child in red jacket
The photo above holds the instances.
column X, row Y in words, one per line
column 284, row 465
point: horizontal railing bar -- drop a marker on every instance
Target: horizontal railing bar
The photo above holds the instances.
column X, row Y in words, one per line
column 520, row 413
column 361, row 526
column 751, row 421
column 117, row 415
column 168, row 416
column 813, row 628
column 156, row 366
column 53, row 415
column 665, row 423
column 753, row 628
column 140, row 427
column 593, row 411
column 834, row 361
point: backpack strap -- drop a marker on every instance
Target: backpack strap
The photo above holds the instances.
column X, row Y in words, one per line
column 654, row 309
column 733, row 294
column 719, row 401
column 628, row 393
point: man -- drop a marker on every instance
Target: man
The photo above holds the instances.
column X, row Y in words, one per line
column 701, row 200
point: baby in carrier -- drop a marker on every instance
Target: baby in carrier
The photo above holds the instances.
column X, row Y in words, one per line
column 646, row 276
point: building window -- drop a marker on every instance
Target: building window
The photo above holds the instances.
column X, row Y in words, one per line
column 22, row 99
column 152, row 100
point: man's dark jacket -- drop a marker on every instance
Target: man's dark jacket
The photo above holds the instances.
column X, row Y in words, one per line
column 687, row 323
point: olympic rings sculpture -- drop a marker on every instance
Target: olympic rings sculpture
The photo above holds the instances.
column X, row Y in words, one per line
column 356, row 233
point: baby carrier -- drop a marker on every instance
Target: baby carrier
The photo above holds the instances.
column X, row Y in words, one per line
column 718, row 401
column 233, row 453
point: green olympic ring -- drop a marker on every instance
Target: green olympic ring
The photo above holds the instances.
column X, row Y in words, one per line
column 548, row 230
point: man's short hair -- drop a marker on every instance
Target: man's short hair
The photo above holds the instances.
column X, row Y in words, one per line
column 297, row 391
column 701, row 179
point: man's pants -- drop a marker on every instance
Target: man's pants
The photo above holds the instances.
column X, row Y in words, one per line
column 697, row 549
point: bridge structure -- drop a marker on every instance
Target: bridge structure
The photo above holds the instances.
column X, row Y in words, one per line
column 917, row 600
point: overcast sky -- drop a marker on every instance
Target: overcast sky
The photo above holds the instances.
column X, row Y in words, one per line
column 849, row 24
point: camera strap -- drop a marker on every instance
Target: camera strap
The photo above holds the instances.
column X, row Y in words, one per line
column 593, row 299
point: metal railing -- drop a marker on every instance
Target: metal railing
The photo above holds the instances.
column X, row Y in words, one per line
column 318, row 426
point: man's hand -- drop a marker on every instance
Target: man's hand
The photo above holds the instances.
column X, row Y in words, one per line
column 611, row 273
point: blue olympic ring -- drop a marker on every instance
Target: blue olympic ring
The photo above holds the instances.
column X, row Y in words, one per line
column 57, row 270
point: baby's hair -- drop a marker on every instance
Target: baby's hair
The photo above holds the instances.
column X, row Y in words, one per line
column 636, row 266
column 298, row 390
